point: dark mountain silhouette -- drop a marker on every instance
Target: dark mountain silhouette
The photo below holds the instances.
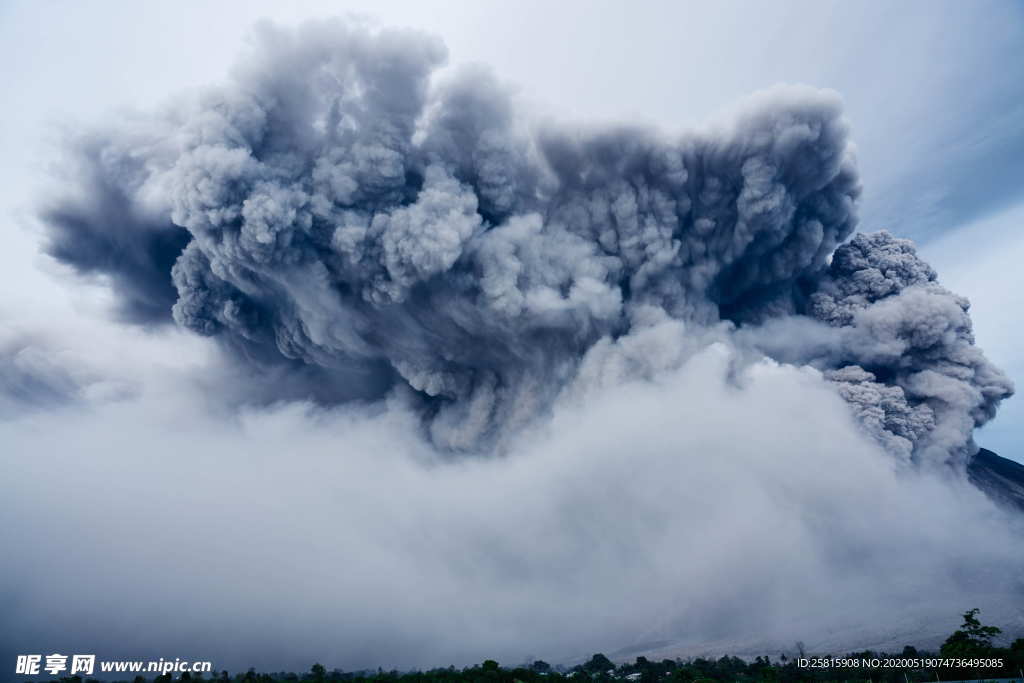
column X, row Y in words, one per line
column 1000, row 478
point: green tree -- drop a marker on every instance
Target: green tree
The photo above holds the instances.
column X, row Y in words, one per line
column 972, row 639
column 1016, row 658
column 598, row 664
column 682, row 675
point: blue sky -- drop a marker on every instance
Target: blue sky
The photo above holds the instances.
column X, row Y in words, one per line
column 934, row 92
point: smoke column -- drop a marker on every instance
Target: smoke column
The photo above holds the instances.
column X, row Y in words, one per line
column 336, row 211
column 331, row 209
column 408, row 379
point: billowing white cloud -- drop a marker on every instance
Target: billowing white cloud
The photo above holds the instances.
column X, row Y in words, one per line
column 678, row 492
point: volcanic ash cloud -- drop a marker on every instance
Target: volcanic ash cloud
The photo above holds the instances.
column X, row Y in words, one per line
column 343, row 214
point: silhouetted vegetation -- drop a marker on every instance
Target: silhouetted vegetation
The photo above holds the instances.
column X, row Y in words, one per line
column 972, row 640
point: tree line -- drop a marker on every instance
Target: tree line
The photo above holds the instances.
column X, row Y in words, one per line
column 973, row 640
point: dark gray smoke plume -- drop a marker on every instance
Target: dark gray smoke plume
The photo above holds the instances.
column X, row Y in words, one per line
column 914, row 374
column 339, row 210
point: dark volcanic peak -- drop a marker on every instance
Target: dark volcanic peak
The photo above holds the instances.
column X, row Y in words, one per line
column 1000, row 478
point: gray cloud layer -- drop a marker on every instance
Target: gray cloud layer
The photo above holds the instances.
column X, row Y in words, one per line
column 676, row 495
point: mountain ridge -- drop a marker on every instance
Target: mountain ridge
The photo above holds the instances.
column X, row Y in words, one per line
column 1001, row 479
